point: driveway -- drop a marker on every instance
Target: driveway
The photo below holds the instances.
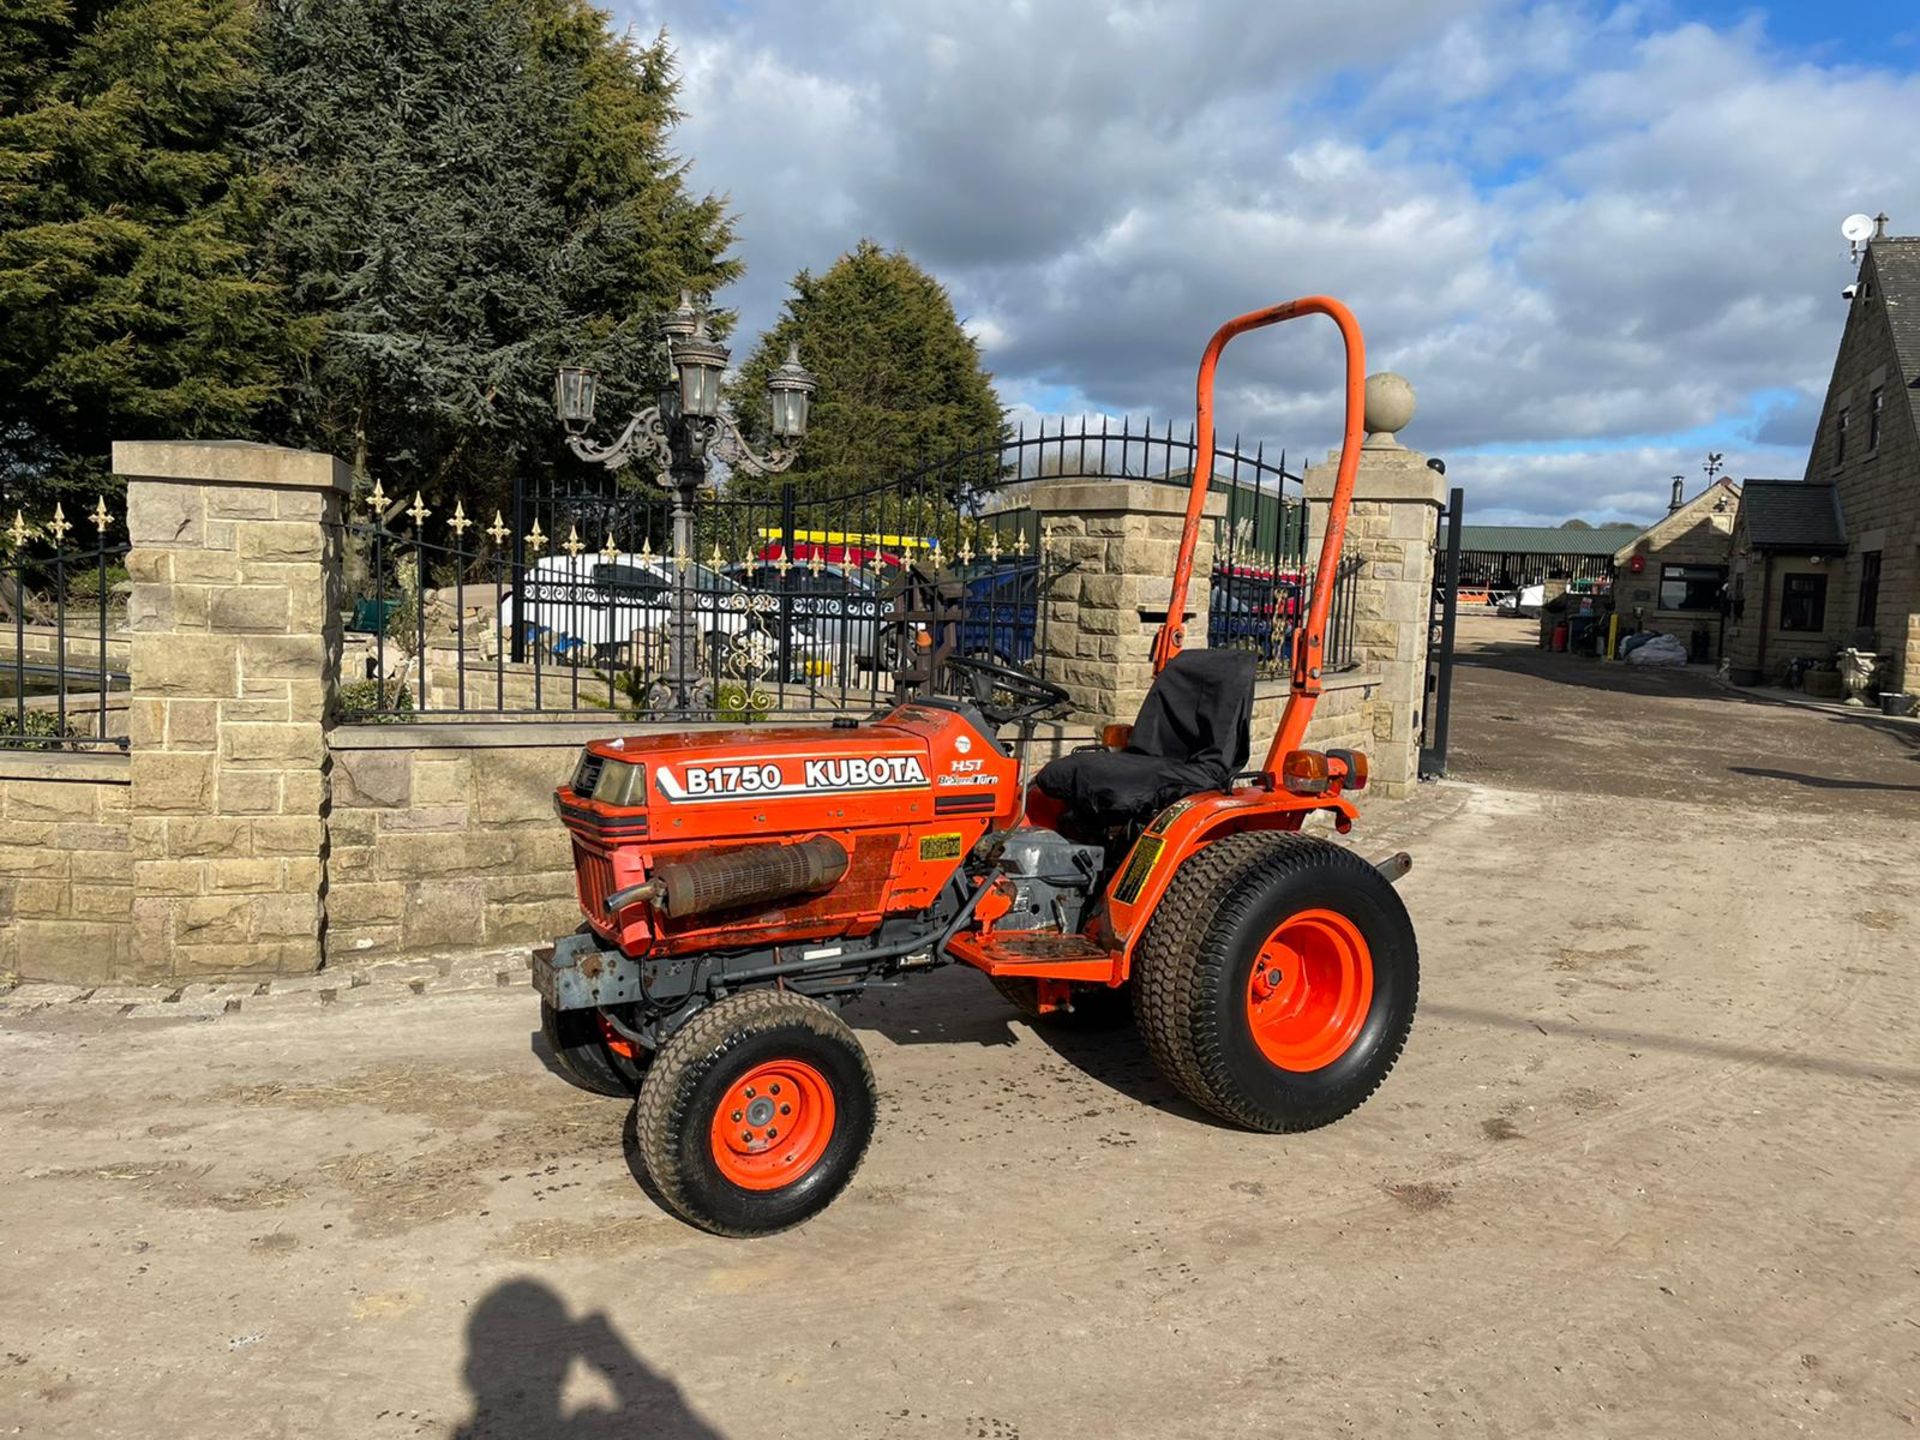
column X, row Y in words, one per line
column 1648, row 1168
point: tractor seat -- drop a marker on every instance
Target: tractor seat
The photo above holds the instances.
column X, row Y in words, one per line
column 1191, row 736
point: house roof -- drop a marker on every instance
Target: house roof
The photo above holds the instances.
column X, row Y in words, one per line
column 1896, row 263
column 1722, row 495
column 1793, row 515
column 1543, row 539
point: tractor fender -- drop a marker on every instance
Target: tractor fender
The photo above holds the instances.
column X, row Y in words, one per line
column 1181, row 831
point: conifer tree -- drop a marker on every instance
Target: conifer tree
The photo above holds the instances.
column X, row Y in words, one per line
column 133, row 300
column 901, row 383
column 477, row 190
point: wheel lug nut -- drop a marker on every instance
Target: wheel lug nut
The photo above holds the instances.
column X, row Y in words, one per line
column 772, row 1133
column 750, row 1092
column 736, row 1116
column 786, row 1109
column 775, row 1090
column 1273, row 978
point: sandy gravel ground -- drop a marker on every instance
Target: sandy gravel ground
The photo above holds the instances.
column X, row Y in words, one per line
column 1650, row 1167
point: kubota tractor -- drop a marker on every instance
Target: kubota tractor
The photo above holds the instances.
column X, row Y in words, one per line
column 741, row 886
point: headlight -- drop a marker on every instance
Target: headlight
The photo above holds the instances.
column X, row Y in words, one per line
column 621, row 784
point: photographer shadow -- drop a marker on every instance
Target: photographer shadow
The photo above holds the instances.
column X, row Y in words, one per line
column 521, row 1343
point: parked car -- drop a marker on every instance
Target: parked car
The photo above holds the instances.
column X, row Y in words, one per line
column 1002, row 612
column 1527, row 601
column 597, row 610
column 840, row 606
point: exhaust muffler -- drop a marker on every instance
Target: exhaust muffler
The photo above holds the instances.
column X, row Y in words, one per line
column 732, row 879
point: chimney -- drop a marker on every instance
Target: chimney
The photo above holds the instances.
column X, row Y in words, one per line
column 1880, row 226
column 1679, row 494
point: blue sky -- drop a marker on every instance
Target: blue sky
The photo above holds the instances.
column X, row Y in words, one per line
column 1601, row 240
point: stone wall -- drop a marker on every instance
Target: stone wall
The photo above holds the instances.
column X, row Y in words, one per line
column 444, row 835
column 236, row 566
column 248, row 832
column 66, row 867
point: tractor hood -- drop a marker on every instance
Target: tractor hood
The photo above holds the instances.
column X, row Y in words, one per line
column 919, row 762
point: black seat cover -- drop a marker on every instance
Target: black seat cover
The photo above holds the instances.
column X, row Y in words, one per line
column 1191, row 735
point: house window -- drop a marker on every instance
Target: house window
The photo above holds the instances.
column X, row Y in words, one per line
column 1869, row 587
column 1875, row 403
column 1691, row 587
column 1803, row 602
column 1840, row 438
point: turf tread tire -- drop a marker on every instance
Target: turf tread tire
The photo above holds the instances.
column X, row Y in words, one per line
column 1163, row 984
column 583, row 1056
column 662, row 1114
column 1182, row 964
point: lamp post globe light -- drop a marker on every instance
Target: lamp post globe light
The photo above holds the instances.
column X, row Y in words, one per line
column 686, row 427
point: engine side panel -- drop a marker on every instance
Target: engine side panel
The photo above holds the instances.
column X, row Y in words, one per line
column 907, row 799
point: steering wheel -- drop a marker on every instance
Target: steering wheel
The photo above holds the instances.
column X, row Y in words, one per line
column 1005, row 693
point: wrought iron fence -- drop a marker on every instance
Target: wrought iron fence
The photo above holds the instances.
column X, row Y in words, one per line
column 791, row 600
column 63, row 645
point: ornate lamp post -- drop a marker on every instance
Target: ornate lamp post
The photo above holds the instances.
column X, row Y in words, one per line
column 686, row 427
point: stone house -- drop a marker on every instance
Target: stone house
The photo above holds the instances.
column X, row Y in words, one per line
column 1671, row 578
column 1833, row 559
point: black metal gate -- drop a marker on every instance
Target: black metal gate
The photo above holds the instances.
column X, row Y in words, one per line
column 793, row 586
column 1442, row 611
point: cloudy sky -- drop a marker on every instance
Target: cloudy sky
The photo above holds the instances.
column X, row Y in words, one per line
column 1601, row 241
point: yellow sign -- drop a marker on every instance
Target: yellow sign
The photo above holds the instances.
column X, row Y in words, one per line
column 841, row 537
column 940, row 847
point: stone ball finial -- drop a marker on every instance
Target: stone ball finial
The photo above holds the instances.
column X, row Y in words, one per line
column 1389, row 405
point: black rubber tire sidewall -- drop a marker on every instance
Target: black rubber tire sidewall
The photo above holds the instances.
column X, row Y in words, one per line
column 1250, row 1087
column 693, row 1075
column 582, row 1053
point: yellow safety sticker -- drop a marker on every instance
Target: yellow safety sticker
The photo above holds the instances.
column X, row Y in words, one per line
column 1139, row 867
column 940, row 847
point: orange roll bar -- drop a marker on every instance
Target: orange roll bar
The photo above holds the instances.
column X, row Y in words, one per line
column 1310, row 639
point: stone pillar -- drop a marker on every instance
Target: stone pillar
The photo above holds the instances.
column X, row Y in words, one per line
column 1122, row 537
column 1397, row 501
column 235, row 621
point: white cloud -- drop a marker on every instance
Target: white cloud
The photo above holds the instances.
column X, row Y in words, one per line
column 1572, row 228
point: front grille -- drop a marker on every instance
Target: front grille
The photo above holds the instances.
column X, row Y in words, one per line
column 593, row 877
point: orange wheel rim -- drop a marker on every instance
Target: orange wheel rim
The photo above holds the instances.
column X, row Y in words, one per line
column 614, row 1040
column 773, row 1125
column 1310, row 990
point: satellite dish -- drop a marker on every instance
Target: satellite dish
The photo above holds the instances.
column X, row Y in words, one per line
column 1856, row 228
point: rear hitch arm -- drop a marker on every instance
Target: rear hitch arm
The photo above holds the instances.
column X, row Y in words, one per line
column 1394, row 866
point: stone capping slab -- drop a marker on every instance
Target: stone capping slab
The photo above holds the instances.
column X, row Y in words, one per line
column 1136, row 497
column 231, row 462
column 500, row 734
column 92, row 767
column 1398, row 475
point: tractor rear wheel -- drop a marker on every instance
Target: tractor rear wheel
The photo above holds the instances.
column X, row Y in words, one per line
column 591, row 1053
column 756, row 1113
column 1095, row 1007
column 1277, row 981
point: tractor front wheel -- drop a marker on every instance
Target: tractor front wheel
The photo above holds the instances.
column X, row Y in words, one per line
column 756, row 1113
column 591, row 1053
column 1276, row 983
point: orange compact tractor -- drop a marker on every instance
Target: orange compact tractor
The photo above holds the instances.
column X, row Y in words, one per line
column 741, row 886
